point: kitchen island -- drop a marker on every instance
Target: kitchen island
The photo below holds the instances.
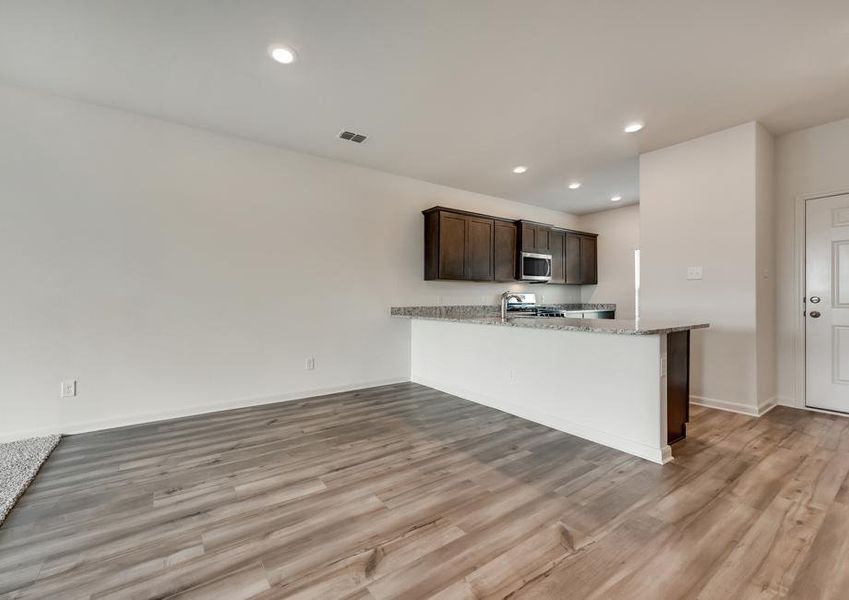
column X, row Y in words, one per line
column 620, row 383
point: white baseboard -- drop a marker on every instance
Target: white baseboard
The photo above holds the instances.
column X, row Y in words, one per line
column 151, row 417
column 767, row 406
column 736, row 407
column 660, row 455
column 782, row 401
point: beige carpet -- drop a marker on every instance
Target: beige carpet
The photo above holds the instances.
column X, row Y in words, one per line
column 19, row 463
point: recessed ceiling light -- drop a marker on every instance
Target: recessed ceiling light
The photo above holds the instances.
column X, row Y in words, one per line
column 282, row 54
column 633, row 127
column 574, row 185
column 520, row 169
column 615, row 198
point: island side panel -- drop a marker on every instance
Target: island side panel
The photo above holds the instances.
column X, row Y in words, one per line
column 678, row 385
column 602, row 387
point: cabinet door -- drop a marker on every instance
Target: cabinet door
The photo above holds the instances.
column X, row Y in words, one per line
column 557, row 246
column 589, row 260
column 504, row 252
column 541, row 239
column 479, row 239
column 452, row 246
column 573, row 258
column 528, row 237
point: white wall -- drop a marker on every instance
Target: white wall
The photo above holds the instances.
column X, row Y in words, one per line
column 810, row 161
column 171, row 270
column 619, row 236
column 698, row 207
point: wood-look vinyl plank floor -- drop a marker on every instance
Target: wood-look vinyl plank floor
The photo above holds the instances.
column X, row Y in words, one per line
column 406, row 492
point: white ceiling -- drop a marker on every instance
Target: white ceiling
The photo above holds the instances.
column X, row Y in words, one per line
column 455, row 92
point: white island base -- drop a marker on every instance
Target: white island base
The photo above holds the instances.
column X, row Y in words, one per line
column 602, row 387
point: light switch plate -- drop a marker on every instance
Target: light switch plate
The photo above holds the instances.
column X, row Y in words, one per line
column 694, row 272
column 68, row 389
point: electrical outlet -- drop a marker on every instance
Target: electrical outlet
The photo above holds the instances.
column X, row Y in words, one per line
column 694, row 272
column 68, row 389
column 310, row 363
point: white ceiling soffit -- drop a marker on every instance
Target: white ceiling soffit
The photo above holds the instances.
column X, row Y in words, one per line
column 456, row 93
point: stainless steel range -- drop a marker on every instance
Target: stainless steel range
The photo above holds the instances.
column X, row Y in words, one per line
column 520, row 305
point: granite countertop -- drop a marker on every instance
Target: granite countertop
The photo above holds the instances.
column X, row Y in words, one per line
column 466, row 311
column 474, row 315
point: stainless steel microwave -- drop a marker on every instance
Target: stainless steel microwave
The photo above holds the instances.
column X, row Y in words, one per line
column 534, row 266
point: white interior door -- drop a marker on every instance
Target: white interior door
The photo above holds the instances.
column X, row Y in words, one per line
column 827, row 303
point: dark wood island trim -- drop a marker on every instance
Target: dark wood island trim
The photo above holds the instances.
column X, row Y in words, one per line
column 677, row 385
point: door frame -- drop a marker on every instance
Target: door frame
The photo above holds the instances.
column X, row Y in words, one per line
column 800, row 252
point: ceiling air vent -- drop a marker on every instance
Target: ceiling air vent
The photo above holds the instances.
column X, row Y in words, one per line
column 359, row 138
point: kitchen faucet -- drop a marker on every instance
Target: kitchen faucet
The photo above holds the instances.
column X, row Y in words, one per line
column 504, row 298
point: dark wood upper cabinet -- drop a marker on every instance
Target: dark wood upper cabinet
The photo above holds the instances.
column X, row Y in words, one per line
column 527, row 237
column 452, row 246
column 543, row 235
column 479, row 249
column 573, row 258
column 557, row 247
column 589, row 259
column 581, row 259
column 534, row 237
column 459, row 246
column 466, row 246
column 505, row 250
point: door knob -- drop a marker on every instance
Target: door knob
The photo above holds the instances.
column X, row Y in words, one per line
column 815, row 299
column 815, row 314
